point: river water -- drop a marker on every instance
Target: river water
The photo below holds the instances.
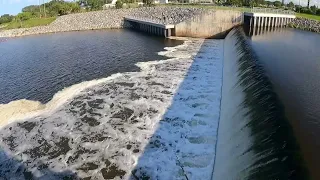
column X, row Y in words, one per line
column 292, row 61
column 37, row 67
column 144, row 122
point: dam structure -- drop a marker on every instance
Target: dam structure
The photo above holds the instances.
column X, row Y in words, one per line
column 208, row 112
column 213, row 23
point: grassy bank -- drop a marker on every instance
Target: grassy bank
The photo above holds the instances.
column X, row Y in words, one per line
column 29, row 23
column 308, row 16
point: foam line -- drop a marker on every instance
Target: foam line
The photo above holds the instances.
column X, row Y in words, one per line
column 24, row 109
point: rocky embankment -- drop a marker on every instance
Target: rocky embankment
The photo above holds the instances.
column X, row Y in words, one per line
column 306, row 24
column 166, row 15
column 108, row 19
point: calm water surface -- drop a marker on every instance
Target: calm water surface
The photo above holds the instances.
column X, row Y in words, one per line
column 36, row 67
column 292, row 61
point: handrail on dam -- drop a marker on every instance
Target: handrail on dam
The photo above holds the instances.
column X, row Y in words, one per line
column 271, row 10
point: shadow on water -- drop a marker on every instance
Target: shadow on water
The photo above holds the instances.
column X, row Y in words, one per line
column 12, row 168
column 257, row 31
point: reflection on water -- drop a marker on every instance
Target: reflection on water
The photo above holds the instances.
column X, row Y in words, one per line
column 262, row 30
column 37, row 67
column 292, row 61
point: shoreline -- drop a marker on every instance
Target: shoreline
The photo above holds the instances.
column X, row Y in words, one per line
column 305, row 24
column 106, row 19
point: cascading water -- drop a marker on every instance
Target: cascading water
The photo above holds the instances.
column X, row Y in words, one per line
column 255, row 139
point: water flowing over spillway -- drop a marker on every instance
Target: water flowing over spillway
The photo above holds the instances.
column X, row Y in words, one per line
column 160, row 123
column 209, row 111
column 255, row 140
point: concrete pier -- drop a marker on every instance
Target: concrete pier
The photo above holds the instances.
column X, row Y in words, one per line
column 267, row 19
column 210, row 24
column 257, row 22
column 151, row 27
column 213, row 24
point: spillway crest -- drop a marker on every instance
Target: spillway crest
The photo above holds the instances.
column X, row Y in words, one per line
column 255, row 139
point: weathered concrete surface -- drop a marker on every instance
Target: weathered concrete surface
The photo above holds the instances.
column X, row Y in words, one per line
column 210, row 24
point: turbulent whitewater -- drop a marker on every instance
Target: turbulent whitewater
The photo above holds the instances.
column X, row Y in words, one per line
column 159, row 123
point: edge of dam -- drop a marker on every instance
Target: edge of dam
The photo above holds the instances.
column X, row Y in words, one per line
column 255, row 139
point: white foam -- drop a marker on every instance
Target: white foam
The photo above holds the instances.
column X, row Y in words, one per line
column 24, row 109
column 161, row 121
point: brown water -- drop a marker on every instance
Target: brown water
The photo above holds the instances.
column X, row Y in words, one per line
column 292, row 61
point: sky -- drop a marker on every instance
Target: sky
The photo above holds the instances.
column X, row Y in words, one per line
column 14, row 6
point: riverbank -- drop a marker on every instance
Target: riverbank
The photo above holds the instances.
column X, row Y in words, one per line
column 107, row 19
column 306, row 24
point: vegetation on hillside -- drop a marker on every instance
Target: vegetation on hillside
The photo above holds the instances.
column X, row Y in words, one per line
column 311, row 12
column 29, row 23
column 37, row 15
column 309, row 16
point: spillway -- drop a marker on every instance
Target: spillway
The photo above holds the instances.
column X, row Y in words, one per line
column 255, row 139
column 186, row 117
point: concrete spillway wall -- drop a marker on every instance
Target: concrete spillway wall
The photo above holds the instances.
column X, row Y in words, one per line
column 210, row 24
column 255, row 140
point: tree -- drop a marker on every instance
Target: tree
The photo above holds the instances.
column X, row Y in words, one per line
column 313, row 9
column 305, row 10
column 55, row 8
column 32, row 8
column 260, row 2
column 269, row 3
column 24, row 16
column 95, row 4
column 148, row 2
column 119, row 4
column 290, row 5
column 234, row 2
column 6, row 18
column 277, row 4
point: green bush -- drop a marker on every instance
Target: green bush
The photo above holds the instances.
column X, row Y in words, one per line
column 119, row 4
column 148, row 2
column 277, row 4
column 6, row 18
column 24, row 16
column 94, row 4
column 290, row 5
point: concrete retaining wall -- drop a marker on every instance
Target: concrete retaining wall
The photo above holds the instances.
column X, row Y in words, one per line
column 211, row 24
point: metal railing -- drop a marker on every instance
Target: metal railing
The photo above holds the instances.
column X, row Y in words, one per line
column 271, row 10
